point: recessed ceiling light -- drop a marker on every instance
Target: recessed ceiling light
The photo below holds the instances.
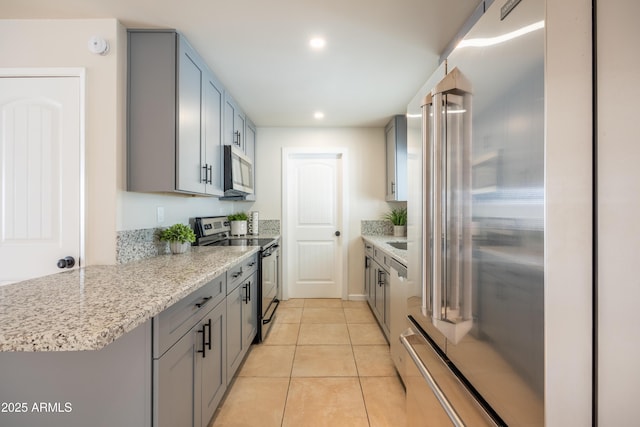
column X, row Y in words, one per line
column 318, row 115
column 317, row 43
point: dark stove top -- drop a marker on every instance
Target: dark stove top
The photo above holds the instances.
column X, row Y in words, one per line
column 240, row 241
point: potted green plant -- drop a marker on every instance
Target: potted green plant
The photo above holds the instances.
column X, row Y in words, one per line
column 238, row 223
column 179, row 237
column 398, row 217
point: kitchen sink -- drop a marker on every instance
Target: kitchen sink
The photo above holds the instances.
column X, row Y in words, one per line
column 399, row 245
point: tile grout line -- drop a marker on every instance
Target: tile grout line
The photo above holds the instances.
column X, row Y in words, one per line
column 364, row 401
column 295, row 350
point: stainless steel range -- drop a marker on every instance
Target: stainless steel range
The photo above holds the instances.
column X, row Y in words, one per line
column 215, row 231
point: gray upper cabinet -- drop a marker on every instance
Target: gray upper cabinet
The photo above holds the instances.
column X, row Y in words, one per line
column 250, row 151
column 175, row 111
column 234, row 123
column 396, row 144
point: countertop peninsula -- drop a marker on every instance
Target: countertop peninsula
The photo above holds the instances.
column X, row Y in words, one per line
column 90, row 307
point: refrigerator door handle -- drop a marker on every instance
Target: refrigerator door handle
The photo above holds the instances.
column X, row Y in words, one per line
column 446, row 405
column 454, row 279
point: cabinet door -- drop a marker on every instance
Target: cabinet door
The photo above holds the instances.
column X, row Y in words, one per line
column 250, row 311
column 379, row 298
column 396, row 144
column 391, row 161
column 212, row 363
column 174, row 391
column 212, row 136
column 234, row 121
column 250, row 151
column 387, row 303
column 234, row 330
column 239, row 122
column 189, row 176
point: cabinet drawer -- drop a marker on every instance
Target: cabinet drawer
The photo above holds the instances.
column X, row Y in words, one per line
column 241, row 271
column 368, row 249
column 176, row 320
column 382, row 258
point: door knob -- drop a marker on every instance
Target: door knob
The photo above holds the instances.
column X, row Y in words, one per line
column 66, row 262
column 338, row 233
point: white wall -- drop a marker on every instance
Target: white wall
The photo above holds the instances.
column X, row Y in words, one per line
column 618, row 212
column 366, row 178
column 568, row 219
column 63, row 43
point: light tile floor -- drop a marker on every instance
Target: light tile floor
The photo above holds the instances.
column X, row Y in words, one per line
column 324, row 363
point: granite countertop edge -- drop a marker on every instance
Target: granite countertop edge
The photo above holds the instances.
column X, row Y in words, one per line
column 90, row 307
column 382, row 242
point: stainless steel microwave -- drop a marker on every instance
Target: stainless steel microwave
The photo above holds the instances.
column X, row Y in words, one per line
column 238, row 172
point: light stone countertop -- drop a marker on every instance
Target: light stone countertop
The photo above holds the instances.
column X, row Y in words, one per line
column 382, row 243
column 88, row 308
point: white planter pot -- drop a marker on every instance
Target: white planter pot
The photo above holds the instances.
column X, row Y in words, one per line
column 238, row 228
column 178, row 248
column 399, row 230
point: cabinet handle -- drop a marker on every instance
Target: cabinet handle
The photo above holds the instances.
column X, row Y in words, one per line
column 393, row 188
column 210, row 174
column 237, row 140
column 247, row 293
column 380, row 277
column 238, row 274
column 204, row 341
column 204, row 301
column 204, row 168
column 208, row 324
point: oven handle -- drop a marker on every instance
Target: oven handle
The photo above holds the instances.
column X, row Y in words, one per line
column 276, row 302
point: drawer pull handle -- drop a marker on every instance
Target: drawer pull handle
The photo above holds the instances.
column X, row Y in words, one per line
column 203, row 302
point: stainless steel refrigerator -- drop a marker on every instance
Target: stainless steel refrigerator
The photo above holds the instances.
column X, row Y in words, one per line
column 475, row 345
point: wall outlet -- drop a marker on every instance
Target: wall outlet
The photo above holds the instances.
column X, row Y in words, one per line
column 160, row 214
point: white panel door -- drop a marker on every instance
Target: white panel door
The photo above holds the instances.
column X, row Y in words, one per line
column 314, row 213
column 39, row 175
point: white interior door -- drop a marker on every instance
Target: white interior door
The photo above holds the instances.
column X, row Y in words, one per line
column 40, row 175
column 314, row 222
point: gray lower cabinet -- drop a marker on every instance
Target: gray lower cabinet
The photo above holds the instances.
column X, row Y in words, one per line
column 213, row 366
column 242, row 321
column 190, row 376
column 378, row 286
column 174, row 117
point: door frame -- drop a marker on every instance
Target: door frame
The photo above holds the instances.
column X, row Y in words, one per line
column 342, row 154
column 79, row 73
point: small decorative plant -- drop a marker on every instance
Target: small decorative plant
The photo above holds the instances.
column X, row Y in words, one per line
column 397, row 216
column 178, row 233
column 239, row 216
column 179, row 236
column 238, row 223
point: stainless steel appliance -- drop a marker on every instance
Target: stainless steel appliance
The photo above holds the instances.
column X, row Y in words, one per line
column 475, row 347
column 215, row 231
column 238, row 173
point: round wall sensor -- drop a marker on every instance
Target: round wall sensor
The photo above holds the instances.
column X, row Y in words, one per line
column 98, row 45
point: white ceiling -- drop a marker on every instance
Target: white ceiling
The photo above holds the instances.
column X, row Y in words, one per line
column 378, row 53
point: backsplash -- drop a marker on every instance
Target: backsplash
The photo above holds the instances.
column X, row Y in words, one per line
column 376, row 227
column 269, row 226
column 134, row 245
